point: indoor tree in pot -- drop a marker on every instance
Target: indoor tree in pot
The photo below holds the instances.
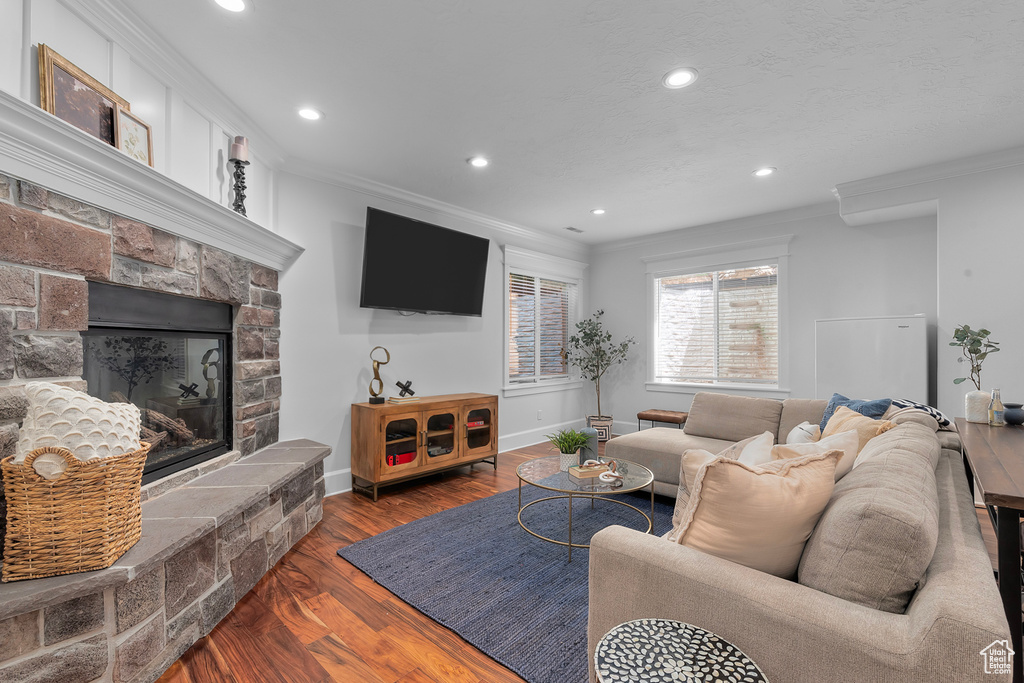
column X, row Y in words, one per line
column 976, row 347
column 568, row 442
column 592, row 350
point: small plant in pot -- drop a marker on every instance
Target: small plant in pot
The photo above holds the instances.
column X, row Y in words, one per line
column 568, row 442
column 976, row 347
column 592, row 350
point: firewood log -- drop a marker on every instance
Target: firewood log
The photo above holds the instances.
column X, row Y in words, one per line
column 177, row 428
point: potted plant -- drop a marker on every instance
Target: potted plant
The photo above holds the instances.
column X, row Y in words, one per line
column 976, row 346
column 592, row 350
column 568, row 442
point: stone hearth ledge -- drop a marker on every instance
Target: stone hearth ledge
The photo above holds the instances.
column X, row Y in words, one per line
column 179, row 517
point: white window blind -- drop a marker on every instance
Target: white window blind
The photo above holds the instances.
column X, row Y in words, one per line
column 718, row 327
column 541, row 313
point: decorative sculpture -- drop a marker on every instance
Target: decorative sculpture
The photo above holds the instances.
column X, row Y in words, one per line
column 188, row 391
column 211, row 382
column 406, row 388
column 375, row 394
column 239, row 157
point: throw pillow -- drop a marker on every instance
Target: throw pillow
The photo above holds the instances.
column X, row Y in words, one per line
column 934, row 412
column 874, row 408
column 759, row 517
column 752, row 451
column 847, row 442
column 86, row 426
column 804, row 432
column 867, row 428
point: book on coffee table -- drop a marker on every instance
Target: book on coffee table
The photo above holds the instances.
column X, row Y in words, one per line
column 582, row 472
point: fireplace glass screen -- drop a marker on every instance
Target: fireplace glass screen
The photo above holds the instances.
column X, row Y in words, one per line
column 179, row 378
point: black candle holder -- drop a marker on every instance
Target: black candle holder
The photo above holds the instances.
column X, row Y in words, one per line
column 239, row 175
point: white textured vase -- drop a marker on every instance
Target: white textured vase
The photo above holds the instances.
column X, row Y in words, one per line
column 976, row 406
column 567, row 460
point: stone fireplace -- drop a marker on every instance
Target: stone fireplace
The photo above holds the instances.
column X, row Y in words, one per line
column 212, row 528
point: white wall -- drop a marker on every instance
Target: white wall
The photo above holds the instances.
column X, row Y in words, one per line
column 834, row 270
column 191, row 133
column 981, row 251
column 326, row 338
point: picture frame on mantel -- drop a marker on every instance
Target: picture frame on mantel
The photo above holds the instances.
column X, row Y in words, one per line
column 133, row 136
column 74, row 96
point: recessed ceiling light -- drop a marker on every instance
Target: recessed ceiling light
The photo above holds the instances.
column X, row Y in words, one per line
column 311, row 114
column 232, row 5
column 597, row 212
column 477, row 161
column 766, row 171
column 679, row 78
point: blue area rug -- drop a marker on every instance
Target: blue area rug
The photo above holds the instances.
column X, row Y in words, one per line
column 513, row 596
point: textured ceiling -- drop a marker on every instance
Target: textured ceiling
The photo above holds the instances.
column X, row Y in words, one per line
column 564, row 97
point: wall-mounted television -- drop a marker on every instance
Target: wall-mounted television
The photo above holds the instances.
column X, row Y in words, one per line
column 409, row 265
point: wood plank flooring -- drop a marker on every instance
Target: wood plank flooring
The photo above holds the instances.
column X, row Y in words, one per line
column 315, row 618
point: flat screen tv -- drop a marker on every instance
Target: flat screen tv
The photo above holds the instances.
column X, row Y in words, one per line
column 409, row 265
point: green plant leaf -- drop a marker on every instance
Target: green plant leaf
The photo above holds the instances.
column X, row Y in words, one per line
column 959, row 380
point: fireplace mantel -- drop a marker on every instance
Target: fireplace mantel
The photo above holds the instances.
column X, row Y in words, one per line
column 51, row 153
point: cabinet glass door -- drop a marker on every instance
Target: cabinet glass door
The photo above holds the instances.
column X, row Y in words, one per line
column 479, row 429
column 401, row 441
column 441, row 443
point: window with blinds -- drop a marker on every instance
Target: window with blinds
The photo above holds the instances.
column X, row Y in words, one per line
column 718, row 327
column 540, row 315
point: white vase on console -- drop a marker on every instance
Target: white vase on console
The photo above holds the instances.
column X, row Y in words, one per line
column 976, row 406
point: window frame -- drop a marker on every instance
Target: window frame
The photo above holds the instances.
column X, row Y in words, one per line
column 773, row 250
column 537, row 265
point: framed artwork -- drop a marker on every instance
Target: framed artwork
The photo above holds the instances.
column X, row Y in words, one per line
column 133, row 136
column 74, row 96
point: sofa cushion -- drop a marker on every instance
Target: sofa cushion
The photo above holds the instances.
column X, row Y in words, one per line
column 880, row 528
column 660, row 449
column 900, row 416
column 797, row 410
column 845, row 420
column 760, row 516
column 732, row 418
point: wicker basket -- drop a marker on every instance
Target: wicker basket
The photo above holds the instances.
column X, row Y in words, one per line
column 83, row 520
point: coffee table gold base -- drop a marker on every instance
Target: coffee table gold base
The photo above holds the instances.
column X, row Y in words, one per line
column 570, row 544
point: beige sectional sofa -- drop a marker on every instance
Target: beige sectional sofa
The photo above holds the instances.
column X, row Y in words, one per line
column 895, row 583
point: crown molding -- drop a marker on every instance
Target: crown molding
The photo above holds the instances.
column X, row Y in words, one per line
column 40, row 148
column 121, row 24
column 747, row 222
column 518, row 233
column 901, row 195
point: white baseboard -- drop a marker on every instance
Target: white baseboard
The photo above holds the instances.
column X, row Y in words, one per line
column 529, row 437
column 338, row 481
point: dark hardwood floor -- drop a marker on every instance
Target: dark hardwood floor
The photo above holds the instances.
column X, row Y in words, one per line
column 316, row 618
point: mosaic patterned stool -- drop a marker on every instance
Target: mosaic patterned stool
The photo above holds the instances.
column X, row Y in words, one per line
column 657, row 650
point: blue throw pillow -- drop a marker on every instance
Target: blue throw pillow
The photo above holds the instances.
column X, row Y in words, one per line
column 874, row 409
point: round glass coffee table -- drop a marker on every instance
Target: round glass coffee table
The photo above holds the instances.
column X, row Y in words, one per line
column 541, row 473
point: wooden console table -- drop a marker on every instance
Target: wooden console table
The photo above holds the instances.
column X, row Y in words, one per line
column 994, row 459
column 395, row 442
